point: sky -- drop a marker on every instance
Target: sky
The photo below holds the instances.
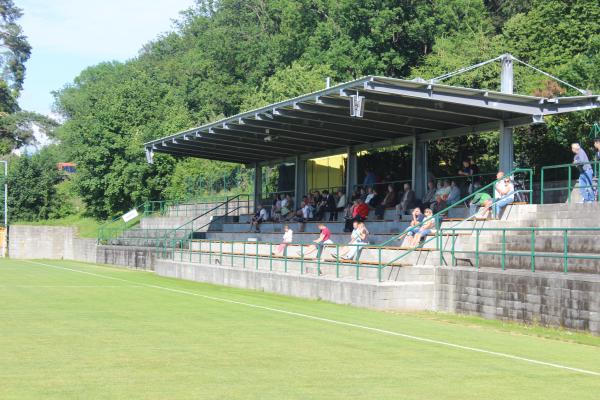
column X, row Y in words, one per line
column 69, row 35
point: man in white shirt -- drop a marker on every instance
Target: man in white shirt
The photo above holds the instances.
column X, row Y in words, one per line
column 259, row 217
column 504, row 194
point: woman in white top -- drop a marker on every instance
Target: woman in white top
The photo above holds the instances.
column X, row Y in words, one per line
column 288, row 237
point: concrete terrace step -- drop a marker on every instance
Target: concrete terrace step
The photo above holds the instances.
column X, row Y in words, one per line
column 544, row 261
column 334, row 227
column 329, row 268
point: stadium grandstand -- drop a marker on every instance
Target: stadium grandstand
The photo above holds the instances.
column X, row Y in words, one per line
column 363, row 243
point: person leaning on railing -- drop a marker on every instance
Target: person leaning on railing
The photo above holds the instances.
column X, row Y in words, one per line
column 586, row 173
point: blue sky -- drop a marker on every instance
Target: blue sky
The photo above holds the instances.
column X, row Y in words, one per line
column 69, row 35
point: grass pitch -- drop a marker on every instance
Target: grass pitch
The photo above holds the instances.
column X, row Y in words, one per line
column 78, row 331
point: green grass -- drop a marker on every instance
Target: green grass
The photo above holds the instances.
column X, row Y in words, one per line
column 87, row 227
column 121, row 334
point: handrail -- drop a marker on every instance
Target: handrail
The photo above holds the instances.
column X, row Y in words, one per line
column 437, row 216
column 532, row 254
column 595, row 168
column 464, row 199
column 173, row 232
column 104, row 227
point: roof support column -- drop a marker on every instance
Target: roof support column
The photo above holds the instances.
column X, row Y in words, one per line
column 257, row 185
column 299, row 181
column 506, row 134
column 351, row 171
column 419, row 167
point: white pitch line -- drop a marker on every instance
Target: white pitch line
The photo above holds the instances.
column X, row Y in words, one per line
column 69, row 286
column 336, row 322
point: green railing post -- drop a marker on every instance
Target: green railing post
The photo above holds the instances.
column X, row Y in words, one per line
column 270, row 256
column 256, row 255
column 357, row 268
column 379, row 265
column 477, row 248
column 301, row 260
column 244, row 255
column 532, row 249
column 566, row 251
column 569, row 192
column 503, row 249
column 453, row 247
column 210, row 251
column 337, row 261
column 541, row 188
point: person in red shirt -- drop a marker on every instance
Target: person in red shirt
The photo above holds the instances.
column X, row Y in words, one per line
column 323, row 239
column 360, row 213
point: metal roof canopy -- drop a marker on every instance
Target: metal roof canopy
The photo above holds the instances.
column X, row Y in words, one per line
column 366, row 113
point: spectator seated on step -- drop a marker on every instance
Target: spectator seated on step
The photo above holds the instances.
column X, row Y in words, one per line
column 288, row 237
column 287, row 205
column 408, row 201
column 358, row 238
column 258, row 218
column 504, row 194
column 276, row 207
column 340, row 206
column 415, row 222
column 318, row 244
column 326, row 204
column 454, row 195
column 306, row 212
column 425, row 229
column 481, row 204
column 360, row 213
column 441, row 196
column 370, row 195
column 389, row 201
column 429, row 198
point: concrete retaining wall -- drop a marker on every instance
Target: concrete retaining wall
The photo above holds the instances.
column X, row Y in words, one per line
column 128, row 256
column 384, row 296
column 50, row 242
column 553, row 299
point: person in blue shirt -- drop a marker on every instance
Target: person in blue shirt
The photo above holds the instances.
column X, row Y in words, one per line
column 585, row 173
column 370, row 178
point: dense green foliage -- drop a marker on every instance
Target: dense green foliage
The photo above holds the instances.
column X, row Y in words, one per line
column 36, row 187
column 233, row 55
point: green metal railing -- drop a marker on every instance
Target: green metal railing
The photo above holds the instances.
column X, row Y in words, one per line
column 184, row 234
column 184, row 247
column 532, row 254
column 117, row 226
column 157, row 237
column 569, row 172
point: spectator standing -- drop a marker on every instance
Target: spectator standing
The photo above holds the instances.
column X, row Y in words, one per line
column 586, row 174
column 597, row 147
column 288, row 237
column 370, row 178
column 504, row 194
column 408, row 201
